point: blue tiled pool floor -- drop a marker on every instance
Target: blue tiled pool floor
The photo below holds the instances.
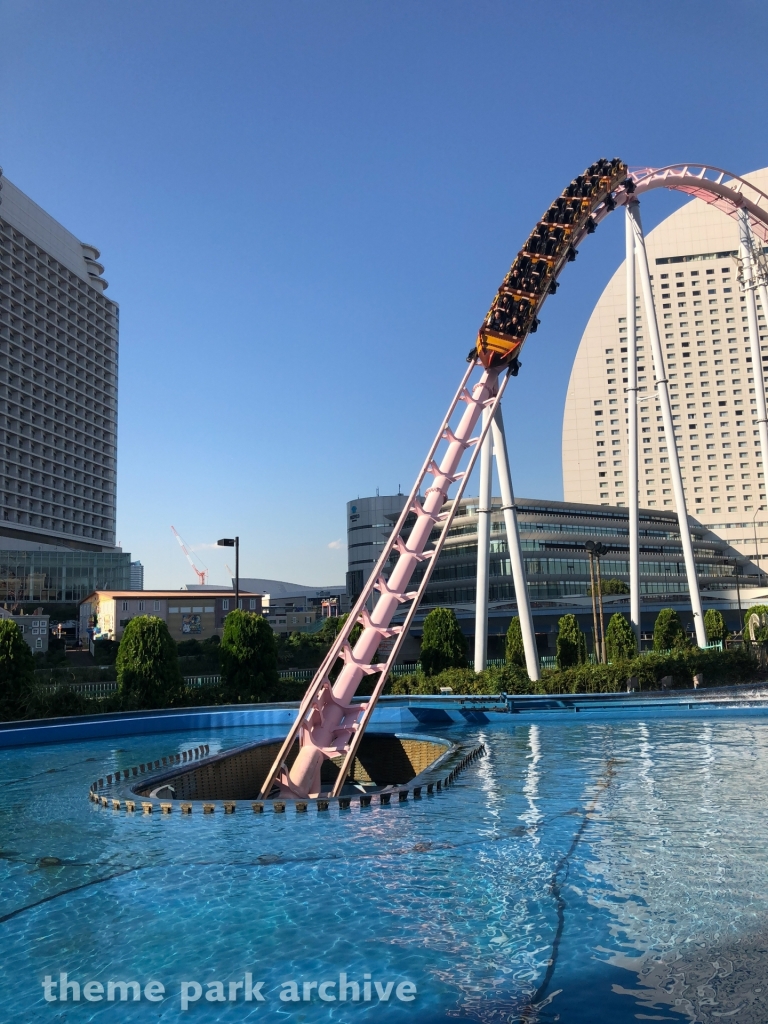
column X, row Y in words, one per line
column 599, row 873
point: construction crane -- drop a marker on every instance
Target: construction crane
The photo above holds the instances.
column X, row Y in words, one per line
column 202, row 574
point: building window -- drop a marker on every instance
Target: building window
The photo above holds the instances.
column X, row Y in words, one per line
column 38, row 642
column 125, row 606
column 225, row 604
column 141, row 606
column 173, row 611
column 253, row 604
column 157, row 606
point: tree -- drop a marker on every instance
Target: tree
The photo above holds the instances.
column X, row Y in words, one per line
column 668, row 631
column 620, row 639
column 17, row 669
column 571, row 643
column 612, row 586
column 443, row 645
column 148, row 673
column 248, row 656
column 515, row 653
column 714, row 625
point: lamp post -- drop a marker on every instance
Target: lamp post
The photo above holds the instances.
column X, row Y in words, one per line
column 596, row 551
column 760, row 508
column 738, row 598
column 233, row 542
column 590, row 546
column 600, row 550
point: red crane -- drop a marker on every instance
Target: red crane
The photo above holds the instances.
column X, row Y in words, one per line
column 202, row 574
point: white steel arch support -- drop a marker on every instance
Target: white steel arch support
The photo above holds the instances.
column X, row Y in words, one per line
column 483, row 549
column 519, row 578
column 750, row 264
column 632, row 438
column 662, row 394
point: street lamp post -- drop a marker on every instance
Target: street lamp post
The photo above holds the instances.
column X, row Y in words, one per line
column 233, row 542
column 596, row 551
column 590, row 546
column 760, row 508
column 600, row 550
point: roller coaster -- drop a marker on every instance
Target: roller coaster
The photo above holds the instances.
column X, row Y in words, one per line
column 328, row 725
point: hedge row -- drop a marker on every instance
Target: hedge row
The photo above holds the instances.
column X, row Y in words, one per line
column 719, row 668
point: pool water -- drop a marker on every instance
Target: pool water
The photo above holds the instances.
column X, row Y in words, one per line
column 598, row 873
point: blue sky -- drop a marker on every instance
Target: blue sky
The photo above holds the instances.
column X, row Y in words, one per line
column 305, row 209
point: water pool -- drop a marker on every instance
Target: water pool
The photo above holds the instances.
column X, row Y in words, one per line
column 601, row 872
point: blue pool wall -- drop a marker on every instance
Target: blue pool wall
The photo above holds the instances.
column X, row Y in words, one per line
column 398, row 712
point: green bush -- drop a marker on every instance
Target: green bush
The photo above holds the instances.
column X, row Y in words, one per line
column 571, row 648
column 515, row 652
column 17, row 670
column 248, row 656
column 714, row 625
column 443, row 645
column 620, row 639
column 105, row 651
column 668, row 631
column 148, row 674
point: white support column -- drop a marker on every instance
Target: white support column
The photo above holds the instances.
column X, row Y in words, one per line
column 662, row 395
column 632, row 438
column 483, row 550
column 515, row 549
column 747, row 246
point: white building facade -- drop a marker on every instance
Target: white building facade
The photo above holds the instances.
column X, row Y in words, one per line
column 702, row 316
column 58, row 383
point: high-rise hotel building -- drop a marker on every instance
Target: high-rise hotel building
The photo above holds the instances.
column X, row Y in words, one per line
column 58, row 410
column 702, row 317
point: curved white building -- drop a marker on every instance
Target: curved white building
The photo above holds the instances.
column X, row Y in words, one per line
column 703, row 325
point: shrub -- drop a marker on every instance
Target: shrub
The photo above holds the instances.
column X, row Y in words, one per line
column 443, row 645
column 714, row 625
column 248, row 656
column 571, row 646
column 515, row 653
column 148, row 673
column 668, row 631
column 620, row 639
column 17, row 670
column 105, row 652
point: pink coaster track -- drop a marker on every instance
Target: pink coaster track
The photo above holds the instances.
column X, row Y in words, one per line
column 328, row 724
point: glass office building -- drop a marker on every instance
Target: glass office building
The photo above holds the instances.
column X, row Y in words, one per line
column 553, row 536
column 60, row 576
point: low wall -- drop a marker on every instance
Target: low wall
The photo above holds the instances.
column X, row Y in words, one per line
column 392, row 711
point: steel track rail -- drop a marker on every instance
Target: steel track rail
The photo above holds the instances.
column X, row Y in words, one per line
column 414, row 606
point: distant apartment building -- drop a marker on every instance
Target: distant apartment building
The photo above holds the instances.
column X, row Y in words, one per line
column 189, row 614
column 702, row 319
column 137, row 576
